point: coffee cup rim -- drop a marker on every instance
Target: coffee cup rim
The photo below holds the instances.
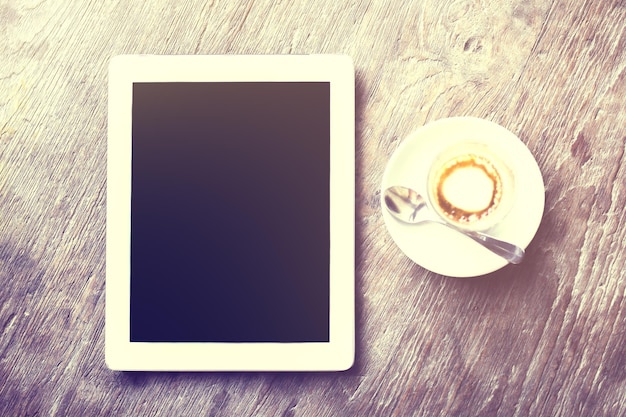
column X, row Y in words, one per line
column 497, row 159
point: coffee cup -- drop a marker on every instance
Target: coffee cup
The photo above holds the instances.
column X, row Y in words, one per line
column 471, row 186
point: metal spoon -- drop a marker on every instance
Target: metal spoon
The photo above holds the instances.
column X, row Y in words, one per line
column 408, row 206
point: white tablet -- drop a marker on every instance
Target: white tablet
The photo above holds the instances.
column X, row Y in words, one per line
column 230, row 213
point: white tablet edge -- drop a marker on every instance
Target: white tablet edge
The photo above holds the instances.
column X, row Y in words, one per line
column 338, row 354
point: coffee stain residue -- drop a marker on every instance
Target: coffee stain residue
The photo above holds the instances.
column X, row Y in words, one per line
column 456, row 213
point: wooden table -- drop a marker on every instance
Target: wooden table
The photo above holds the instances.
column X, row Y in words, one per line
column 545, row 338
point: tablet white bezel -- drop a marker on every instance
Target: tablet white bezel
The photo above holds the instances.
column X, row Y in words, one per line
column 335, row 355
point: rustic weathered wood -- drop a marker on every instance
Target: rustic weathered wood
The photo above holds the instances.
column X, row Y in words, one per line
column 544, row 338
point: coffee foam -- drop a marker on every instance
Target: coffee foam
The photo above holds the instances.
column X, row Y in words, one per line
column 468, row 188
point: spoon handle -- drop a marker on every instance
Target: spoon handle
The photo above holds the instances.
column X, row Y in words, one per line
column 512, row 253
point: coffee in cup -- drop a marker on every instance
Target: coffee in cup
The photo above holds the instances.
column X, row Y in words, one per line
column 471, row 187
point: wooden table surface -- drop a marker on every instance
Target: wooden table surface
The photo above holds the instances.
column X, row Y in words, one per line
column 545, row 338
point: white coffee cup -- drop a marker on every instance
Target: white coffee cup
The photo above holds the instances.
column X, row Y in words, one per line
column 470, row 186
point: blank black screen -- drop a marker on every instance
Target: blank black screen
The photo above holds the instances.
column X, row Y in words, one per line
column 230, row 212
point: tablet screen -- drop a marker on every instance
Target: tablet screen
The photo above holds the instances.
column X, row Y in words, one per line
column 230, row 212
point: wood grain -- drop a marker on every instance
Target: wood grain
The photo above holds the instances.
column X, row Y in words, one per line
column 545, row 338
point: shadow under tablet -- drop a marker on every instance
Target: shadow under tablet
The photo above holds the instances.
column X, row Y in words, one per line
column 230, row 212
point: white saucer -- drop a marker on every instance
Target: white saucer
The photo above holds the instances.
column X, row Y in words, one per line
column 439, row 248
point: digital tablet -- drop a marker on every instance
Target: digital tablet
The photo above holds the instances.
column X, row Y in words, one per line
column 230, row 213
